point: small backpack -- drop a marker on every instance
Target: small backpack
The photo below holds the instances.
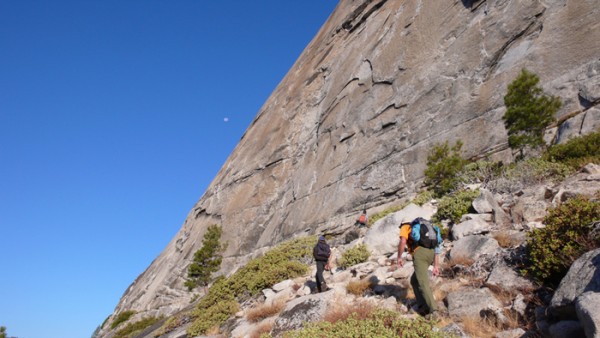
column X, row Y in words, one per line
column 428, row 236
column 362, row 219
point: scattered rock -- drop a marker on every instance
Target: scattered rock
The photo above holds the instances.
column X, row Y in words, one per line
column 283, row 285
column 587, row 307
column 470, row 227
column 506, row 279
column 455, row 330
column 591, row 168
column 566, row 329
column 300, row 311
column 516, row 333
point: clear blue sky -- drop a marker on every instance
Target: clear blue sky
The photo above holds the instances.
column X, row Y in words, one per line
column 114, row 118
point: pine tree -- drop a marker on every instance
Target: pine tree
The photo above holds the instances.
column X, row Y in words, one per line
column 2, row 332
column 207, row 260
column 443, row 165
column 528, row 112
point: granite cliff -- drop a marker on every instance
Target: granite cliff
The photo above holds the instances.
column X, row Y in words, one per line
column 350, row 125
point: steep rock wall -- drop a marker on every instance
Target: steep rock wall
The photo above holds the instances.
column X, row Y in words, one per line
column 350, row 124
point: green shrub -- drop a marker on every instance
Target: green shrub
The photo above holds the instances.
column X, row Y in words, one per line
column 382, row 323
column 423, row 197
column 354, row 255
column 577, row 151
column 528, row 112
column 455, row 205
column 528, row 172
column 375, row 217
column 121, row 318
column 287, row 260
column 207, row 259
column 443, row 165
column 567, row 235
column 133, row 329
column 481, row 172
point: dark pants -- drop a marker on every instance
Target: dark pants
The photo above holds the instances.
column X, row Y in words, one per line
column 320, row 280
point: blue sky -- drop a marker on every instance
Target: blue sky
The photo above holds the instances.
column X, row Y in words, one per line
column 114, row 118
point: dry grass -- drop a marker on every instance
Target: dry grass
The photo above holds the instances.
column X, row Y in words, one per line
column 460, row 260
column 213, row 331
column 479, row 327
column 264, row 310
column 358, row 287
column 505, row 240
column 264, row 327
column 342, row 311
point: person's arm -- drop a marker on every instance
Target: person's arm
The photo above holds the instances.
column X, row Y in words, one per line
column 438, row 250
column 436, row 265
column 401, row 247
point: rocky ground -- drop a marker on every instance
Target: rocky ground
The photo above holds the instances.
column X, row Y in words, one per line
column 480, row 291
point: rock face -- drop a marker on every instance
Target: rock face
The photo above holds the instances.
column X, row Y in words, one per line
column 350, row 125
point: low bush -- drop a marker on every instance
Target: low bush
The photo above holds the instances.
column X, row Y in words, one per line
column 577, row 151
column 423, row 197
column 481, row 172
column 529, row 172
column 354, row 255
column 121, row 318
column 567, row 235
column 133, row 329
column 377, row 216
column 287, row 260
column 381, row 323
column 455, row 205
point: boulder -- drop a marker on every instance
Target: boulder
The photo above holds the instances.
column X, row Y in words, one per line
column 583, row 276
column 300, row 311
column 383, row 236
column 591, row 168
column 474, row 246
column 470, row 303
column 486, row 203
column 587, row 307
column 455, row 330
column 483, row 217
column 405, row 271
column 474, row 226
column 506, row 279
column 288, row 283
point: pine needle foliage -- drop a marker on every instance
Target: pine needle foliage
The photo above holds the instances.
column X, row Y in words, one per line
column 208, row 259
column 528, row 112
column 444, row 163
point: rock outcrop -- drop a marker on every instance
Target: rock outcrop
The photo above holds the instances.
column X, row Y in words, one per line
column 350, row 125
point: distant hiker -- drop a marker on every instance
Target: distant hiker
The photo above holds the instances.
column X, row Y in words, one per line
column 424, row 242
column 362, row 220
column 321, row 253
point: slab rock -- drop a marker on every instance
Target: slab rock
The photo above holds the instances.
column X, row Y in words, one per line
column 487, row 203
column 474, row 226
column 504, row 278
column 583, row 276
column 587, row 307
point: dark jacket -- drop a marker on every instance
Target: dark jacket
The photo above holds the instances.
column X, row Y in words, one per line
column 321, row 251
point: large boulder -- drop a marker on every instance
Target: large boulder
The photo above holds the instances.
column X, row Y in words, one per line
column 506, row 279
column 471, row 247
column 587, row 307
column 471, row 303
column 583, row 276
column 300, row 311
column 383, row 237
column 473, row 226
column 487, row 203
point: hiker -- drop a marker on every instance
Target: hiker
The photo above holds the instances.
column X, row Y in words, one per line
column 424, row 242
column 321, row 253
column 362, row 219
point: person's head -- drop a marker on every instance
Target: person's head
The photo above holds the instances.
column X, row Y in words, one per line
column 364, row 211
column 321, row 238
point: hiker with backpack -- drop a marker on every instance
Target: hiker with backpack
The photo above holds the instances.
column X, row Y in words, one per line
column 321, row 254
column 363, row 219
column 424, row 242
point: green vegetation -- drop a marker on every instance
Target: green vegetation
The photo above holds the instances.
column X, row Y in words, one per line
column 133, row 329
column 382, row 323
column 121, row 318
column 423, row 197
column 354, row 255
column 565, row 238
column 288, row 260
column 481, row 171
column 455, row 205
column 2, row 332
column 207, row 260
column 443, row 165
column 375, row 217
column 576, row 152
column 528, row 112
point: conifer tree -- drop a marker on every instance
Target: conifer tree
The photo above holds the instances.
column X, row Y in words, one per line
column 2, row 332
column 443, row 165
column 528, row 112
column 207, row 259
